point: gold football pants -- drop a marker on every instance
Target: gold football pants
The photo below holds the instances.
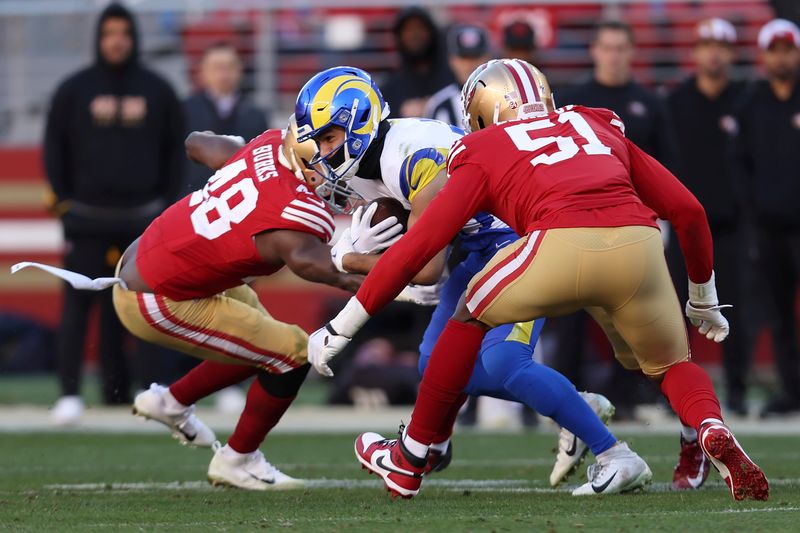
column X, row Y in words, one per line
column 619, row 275
column 231, row 327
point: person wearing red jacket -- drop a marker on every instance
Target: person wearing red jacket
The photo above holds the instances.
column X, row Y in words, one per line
column 586, row 200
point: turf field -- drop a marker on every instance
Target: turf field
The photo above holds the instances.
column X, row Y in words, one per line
column 85, row 482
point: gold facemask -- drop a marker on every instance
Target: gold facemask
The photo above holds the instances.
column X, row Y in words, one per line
column 297, row 155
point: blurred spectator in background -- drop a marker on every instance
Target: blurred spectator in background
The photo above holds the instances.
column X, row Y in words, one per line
column 113, row 151
column 423, row 69
column 519, row 42
column 767, row 147
column 612, row 86
column 467, row 49
column 702, row 113
column 377, row 376
column 219, row 106
column 26, row 345
column 645, row 117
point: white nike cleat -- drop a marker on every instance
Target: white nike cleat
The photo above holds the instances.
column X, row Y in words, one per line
column 618, row 469
column 572, row 450
column 155, row 404
column 67, row 411
column 249, row 471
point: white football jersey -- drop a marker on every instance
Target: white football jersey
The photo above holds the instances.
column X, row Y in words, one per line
column 414, row 151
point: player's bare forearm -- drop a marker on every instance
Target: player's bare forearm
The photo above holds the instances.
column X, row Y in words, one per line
column 315, row 265
column 363, row 263
column 306, row 256
column 209, row 149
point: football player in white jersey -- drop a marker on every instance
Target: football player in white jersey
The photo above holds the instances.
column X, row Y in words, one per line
column 363, row 155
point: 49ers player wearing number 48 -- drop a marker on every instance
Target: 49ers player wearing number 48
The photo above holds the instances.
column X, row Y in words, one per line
column 182, row 285
column 586, row 200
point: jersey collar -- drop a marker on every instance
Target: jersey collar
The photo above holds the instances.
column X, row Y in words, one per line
column 370, row 166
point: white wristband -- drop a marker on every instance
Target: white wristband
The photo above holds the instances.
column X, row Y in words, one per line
column 350, row 319
column 704, row 293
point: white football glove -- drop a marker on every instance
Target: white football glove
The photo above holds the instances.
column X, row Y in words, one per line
column 420, row 294
column 368, row 239
column 342, row 247
column 325, row 343
column 704, row 311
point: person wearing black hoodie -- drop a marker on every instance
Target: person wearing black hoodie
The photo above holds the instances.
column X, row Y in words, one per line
column 701, row 109
column 113, row 154
column 766, row 162
column 423, row 68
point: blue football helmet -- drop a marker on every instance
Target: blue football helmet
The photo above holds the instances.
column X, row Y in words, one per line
column 345, row 97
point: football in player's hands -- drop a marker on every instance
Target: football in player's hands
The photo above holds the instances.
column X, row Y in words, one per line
column 389, row 207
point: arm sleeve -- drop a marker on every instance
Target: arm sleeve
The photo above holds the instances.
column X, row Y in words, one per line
column 56, row 146
column 453, row 206
column 666, row 195
column 172, row 152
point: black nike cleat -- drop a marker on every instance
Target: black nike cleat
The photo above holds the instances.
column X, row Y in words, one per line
column 438, row 461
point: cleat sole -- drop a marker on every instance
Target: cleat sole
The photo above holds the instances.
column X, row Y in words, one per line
column 745, row 479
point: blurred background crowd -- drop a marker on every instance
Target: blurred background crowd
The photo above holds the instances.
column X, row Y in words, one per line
column 96, row 99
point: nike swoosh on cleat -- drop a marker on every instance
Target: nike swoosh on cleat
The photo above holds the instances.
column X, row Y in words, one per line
column 573, row 447
column 267, row 481
column 379, row 463
column 188, row 436
column 604, row 486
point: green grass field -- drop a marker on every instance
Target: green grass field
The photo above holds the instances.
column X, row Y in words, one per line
column 85, row 482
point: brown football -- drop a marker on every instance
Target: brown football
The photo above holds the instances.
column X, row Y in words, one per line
column 389, row 207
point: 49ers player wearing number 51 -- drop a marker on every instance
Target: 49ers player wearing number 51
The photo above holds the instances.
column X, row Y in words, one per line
column 586, row 199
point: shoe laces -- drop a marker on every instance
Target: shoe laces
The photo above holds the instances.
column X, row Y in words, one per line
column 595, row 470
column 258, row 457
column 186, row 418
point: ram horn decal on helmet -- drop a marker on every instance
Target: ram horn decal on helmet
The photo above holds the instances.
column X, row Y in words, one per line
column 346, row 97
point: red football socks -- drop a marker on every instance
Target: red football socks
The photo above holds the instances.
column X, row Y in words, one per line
column 444, row 380
column 207, row 378
column 446, row 430
column 261, row 413
column 691, row 394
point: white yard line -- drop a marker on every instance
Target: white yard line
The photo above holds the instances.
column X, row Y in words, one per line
column 479, row 485
column 457, row 462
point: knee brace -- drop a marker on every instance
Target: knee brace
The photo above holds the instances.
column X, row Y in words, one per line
column 283, row 385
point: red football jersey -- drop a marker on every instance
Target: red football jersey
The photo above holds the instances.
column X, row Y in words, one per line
column 203, row 244
column 572, row 168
